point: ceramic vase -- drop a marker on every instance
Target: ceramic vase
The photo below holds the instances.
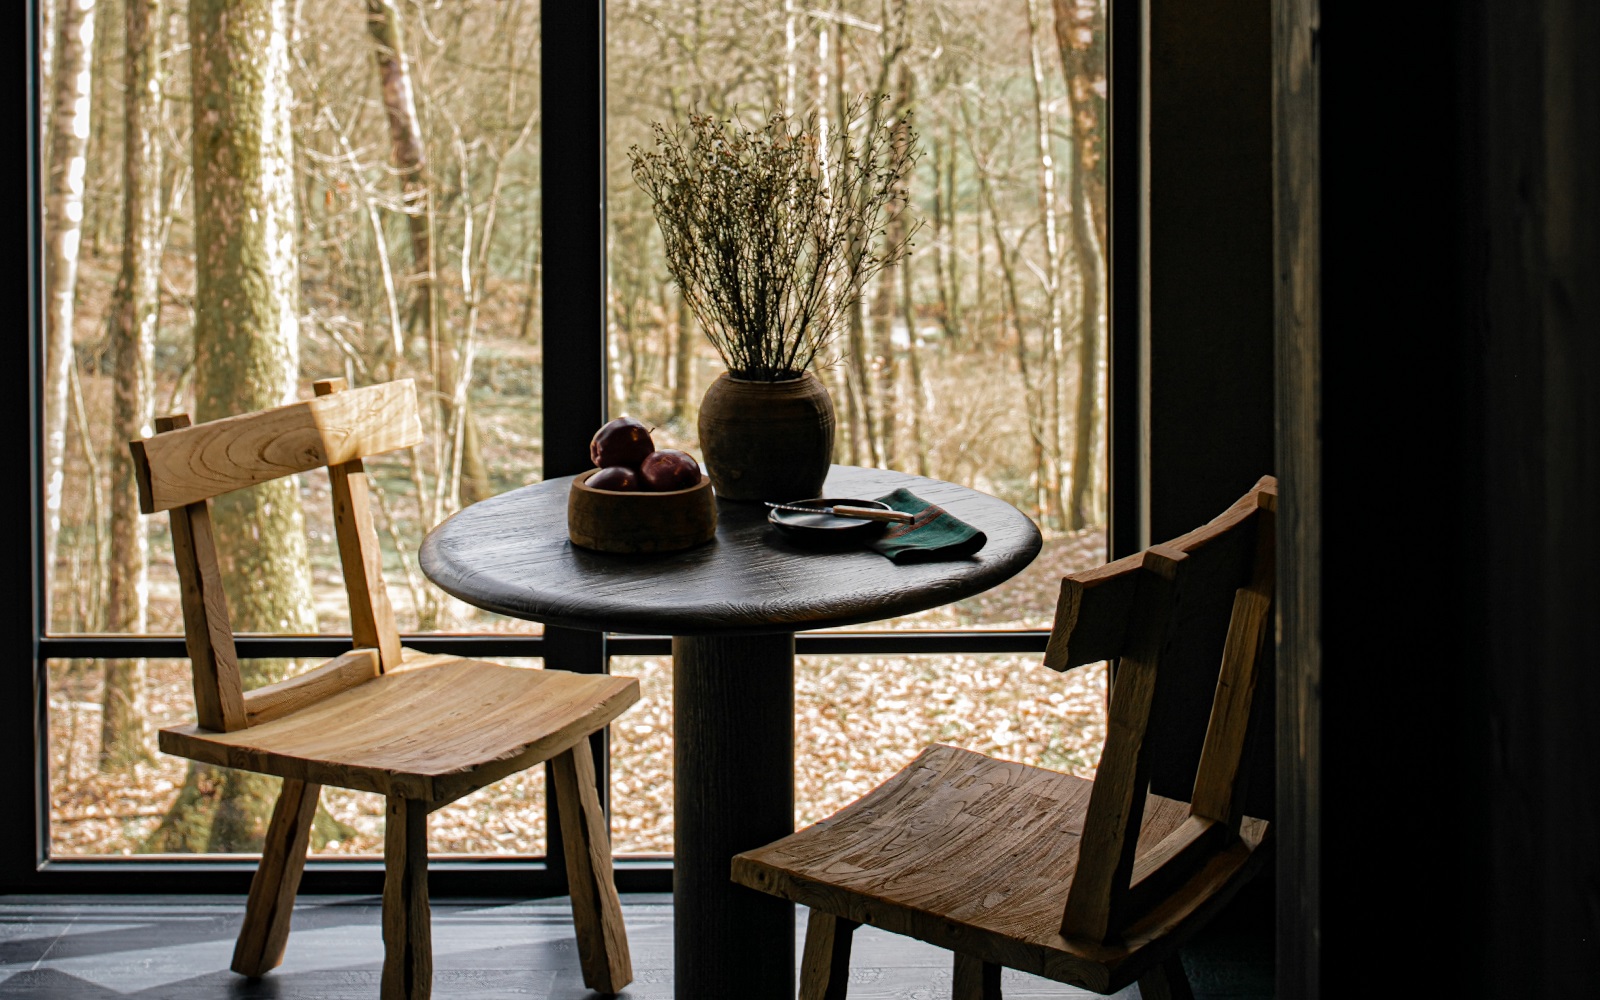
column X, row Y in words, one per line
column 767, row 440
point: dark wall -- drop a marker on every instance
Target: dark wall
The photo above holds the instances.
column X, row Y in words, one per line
column 1460, row 485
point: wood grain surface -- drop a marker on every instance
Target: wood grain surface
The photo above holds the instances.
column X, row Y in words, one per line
column 195, row 463
column 596, row 909
column 360, row 555
column 277, row 880
column 433, row 730
column 407, row 918
column 511, row 554
column 733, row 764
column 825, row 967
column 989, row 846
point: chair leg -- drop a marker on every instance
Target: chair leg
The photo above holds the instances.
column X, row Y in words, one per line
column 1166, row 981
column 407, row 923
column 277, row 879
column 975, row 979
column 596, row 910
column 825, row 966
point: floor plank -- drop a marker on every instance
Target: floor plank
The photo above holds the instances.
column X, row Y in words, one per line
column 178, row 948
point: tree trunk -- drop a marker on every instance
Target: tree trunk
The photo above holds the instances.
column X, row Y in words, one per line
column 246, row 358
column 100, row 195
column 409, row 155
column 47, row 65
column 63, row 209
column 1081, row 508
column 862, row 406
column 1081, row 38
column 1054, row 348
column 944, row 237
column 682, row 362
column 134, row 315
column 919, row 389
column 887, row 360
column 953, row 319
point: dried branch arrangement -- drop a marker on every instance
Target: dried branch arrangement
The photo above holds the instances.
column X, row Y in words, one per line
column 772, row 232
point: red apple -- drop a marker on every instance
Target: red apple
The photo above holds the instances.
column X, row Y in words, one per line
column 623, row 441
column 669, row 469
column 614, row 477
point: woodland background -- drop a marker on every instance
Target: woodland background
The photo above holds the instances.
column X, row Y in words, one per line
column 242, row 196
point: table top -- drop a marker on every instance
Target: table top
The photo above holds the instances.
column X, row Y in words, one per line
column 510, row 554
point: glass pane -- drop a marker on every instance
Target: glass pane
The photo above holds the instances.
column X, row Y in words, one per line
column 389, row 208
column 112, row 792
column 980, row 358
column 641, row 760
column 858, row 721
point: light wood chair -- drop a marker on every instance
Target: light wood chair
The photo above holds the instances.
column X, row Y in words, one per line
column 421, row 729
column 1093, row 883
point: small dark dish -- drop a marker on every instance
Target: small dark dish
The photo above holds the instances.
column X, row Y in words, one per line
column 826, row 530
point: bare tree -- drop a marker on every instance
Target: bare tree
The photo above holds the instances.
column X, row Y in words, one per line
column 134, row 313
column 1054, row 347
column 63, row 208
column 1081, row 38
column 409, row 156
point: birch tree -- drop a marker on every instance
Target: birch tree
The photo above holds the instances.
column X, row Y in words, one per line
column 1054, row 347
column 447, row 352
column 63, row 209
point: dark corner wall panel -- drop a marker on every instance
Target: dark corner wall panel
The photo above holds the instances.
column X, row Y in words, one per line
column 1206, row 320
column 1208, row 315
column 1460, row 478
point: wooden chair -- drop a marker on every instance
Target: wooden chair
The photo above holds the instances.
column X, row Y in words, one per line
column 421, row 729
column 1093, row 883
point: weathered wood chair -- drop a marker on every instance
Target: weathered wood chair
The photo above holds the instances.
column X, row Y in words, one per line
column 421, row 729
column 1093, row 883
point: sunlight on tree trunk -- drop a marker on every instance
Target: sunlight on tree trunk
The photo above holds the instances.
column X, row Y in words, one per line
column 63, row 211
column 246, row 358
column 134, row 314
column 1054, row 346
column 1081, row 37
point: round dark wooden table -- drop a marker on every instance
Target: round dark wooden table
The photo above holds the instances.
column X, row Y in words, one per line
column 732, row 607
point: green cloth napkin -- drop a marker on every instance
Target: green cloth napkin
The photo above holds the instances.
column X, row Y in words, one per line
column 935, row 534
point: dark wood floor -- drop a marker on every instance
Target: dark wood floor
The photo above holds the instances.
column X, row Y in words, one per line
column 178, row 948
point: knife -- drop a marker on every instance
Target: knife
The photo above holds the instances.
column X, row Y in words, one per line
column 841, row 510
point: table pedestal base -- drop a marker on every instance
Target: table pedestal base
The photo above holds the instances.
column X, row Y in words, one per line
column 733, row 757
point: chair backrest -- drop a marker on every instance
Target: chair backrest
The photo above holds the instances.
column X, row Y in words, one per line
column 182, row 467
column 1135, row 611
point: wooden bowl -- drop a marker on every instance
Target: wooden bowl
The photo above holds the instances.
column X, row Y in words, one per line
column 617, row 521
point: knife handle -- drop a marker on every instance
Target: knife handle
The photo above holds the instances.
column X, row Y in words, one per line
column 873, row 514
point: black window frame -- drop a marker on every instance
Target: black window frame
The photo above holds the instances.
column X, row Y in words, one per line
column 573, row 196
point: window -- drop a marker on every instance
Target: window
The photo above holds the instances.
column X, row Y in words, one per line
column 422, row 155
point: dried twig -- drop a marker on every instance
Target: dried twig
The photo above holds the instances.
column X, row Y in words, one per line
column 770, row 250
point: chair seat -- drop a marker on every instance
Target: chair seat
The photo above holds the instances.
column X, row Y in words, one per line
column 976, row 855
column 433, row 729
